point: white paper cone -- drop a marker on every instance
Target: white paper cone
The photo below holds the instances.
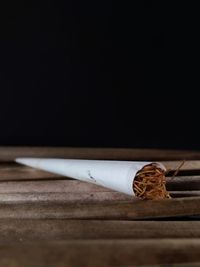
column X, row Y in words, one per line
column 116, row 175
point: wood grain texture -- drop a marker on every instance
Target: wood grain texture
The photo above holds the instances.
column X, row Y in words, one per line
column 189, row 165
column 48, row 220
column 14, row 171
column 64, row 191
column 127, row 210
column 101, row 253
column 8, row 154
column 180, row 183
column 70, row 191
column 102, row 197
column 49, row 230
column 86, row 198
column 59, row 186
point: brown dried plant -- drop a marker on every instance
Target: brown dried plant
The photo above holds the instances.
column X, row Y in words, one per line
column 150, row 183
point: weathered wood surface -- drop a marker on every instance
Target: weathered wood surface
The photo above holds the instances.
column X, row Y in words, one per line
column 57, row 191
column 101, row 252
column 127, row 210
column 189, row 165
column 77, row 191
column 14, row 171
column 62, row 186
column 49, row 230
column 48, row 220
column 8, row 154
column 102, row 197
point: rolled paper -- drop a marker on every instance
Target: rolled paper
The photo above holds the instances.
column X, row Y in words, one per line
column 115, row 175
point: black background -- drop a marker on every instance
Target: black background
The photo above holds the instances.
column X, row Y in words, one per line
column 95, row 73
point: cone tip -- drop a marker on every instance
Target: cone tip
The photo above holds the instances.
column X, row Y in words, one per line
column 26, row 161
column 20, row 160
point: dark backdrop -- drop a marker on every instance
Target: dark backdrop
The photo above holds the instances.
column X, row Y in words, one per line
column 93, row 73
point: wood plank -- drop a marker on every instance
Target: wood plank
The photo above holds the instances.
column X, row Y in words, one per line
column 73, row 191
column 65, row 197
column 60, row 191
column 184, row 183
column 90, row 198
column 14, row 171
column 101, row 253
column 127, row 210
column 49, row 230
column 8, row 154
column 58, row 186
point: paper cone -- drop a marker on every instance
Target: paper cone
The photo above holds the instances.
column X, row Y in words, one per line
column 116, row 175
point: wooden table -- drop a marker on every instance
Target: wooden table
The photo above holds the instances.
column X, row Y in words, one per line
column 47, row 220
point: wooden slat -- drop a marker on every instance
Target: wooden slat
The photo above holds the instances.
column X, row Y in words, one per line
column 70, row 191
column 10, row 153
column 101, row 197
column 58, row 186
column 90, row 198
column 59, row 191
column 14, row 171
column 101, row 253
column 64, row 197
column 184, row 183
column 127, row 210
column 188, row 165
column 50, row 230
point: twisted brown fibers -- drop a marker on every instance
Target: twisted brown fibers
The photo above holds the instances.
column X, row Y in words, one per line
column 150, row 183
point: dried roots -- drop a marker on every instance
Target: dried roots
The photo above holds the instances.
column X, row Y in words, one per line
column 149, row 183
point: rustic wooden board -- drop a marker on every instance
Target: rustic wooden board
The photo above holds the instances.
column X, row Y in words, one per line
column 58, row 186
column 50, row 230
column 101, row 252
column 49, row 220
column 13, row 171
column 128, row 210
column 87, row 198
column 78, row 187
